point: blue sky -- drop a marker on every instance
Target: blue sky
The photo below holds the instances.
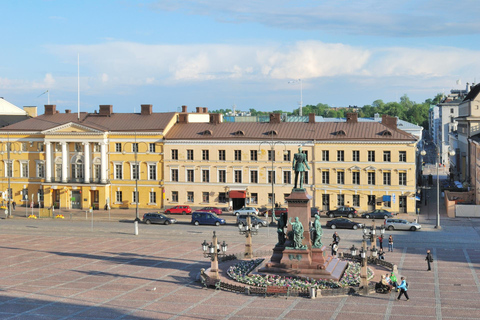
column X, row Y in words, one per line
column 217, row 53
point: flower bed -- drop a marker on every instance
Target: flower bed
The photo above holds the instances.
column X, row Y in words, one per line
column 240, row 272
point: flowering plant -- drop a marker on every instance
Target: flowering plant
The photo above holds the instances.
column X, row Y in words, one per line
column 59, row 216
column 32, row 216
column 240, row 272
column 3, row 207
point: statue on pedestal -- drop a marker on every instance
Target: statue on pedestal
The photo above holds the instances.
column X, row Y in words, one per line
column 317, row 226
column 299, row 164
column 297, row 229
column 281, row 224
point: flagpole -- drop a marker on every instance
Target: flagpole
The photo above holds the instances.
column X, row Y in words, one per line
column 78, row 85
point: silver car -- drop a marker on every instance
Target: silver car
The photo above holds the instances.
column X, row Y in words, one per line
column 401, row 224
column 246, row 210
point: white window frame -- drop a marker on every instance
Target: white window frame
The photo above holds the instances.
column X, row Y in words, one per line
column 150, row 166
column 40, row 169
column 22, row 163
column 115, row 164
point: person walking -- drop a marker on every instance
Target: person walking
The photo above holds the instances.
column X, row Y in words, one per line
column 429, row 259
column 334, row 249
column 14, row 205
column 403, row 288
column 380, row 241
column 390, row 243
column 336, row 237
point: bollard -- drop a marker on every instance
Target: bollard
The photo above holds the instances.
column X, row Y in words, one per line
column 136, row 227
column 313, row 293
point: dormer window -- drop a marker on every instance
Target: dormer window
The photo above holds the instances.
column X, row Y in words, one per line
column 272, row 133
column 341, row 133
column 386, row 133
column 207, row 133
column 239, row 133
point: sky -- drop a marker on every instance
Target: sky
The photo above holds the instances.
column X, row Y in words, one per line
column 266, row 55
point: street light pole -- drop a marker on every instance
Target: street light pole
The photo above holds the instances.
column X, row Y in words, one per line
column 437, row 225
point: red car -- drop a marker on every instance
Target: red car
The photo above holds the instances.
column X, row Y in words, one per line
column 211, row 209
column 278, row 211
column 179, row 210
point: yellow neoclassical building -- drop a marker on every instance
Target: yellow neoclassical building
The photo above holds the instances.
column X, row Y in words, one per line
column 85, row 160
column 99, row 159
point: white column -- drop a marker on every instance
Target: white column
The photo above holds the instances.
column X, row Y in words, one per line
column 86, row 149
column 48, row 162
column 103, row 167
column 64, row 162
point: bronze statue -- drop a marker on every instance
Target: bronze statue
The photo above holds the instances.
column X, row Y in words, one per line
column 281, row 224
column 299, row 164
column 297, row 229
column 317, row 226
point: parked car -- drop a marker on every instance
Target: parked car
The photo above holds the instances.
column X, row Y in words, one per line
column 278, row 211
column 203, row 217
column 246, row 210
column 211, row 209
column 242, row 220
column 342, row 212
column 314, row 211
column 401, row 224
column 343, row 223
column 160, row 218
column 178, row 210
column 378, row 214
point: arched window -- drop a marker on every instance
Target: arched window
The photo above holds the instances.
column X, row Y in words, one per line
column 97, row 164
column 58, row 169
column 77, row 168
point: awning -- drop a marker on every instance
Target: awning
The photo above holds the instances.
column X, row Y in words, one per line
column 387, row 198
column 237, row 194
column 417, row 198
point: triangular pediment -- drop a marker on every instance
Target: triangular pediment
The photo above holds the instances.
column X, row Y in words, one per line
column 72, row 128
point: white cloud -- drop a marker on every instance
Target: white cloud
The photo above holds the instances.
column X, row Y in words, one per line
column 104, row 77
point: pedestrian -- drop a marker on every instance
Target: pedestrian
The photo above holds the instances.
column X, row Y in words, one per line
column 334, row 249
column 393, row 281
column 14, row 204
column 380, row 241
column 403, row 288
column 336, row 237
column 390, row 243
column 381, row 254
column 429, row 259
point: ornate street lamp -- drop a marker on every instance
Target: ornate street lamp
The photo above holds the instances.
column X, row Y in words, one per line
column 213, row 251
column 353, row 251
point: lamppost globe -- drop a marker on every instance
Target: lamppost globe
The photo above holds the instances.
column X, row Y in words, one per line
column 353, row 250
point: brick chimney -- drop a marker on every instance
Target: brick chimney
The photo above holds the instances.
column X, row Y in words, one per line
column 275, row 117
column 215, row 118
column 184, row 109
column 311, row 118
column 352, row 117
column 205, row 110
column 106, row 109
column 146, row 109
column 50, row 109
column 68, row 111
column 390, row 122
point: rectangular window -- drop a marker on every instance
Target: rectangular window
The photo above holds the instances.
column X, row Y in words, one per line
column 340, row 199
column 25, row 169
column 238, row 176
column 135, row 196
column 271, row 198
column 174, row 175
column 238, row 155
column 40, row 170
column 174, row 154
column 402, row 156
column 271, row 155
column 9, row 169
column 77, row 146
column 118, row 147
column 387, row 204
column 287, row 177
column 356, row 155
column 222, row 197
column 135, row 147
column 118, row 172
column 325, row 155
column 356, row 200
column 205, row 155
column 254, row 176
column 305, row 152
column 96, row 172
column 271, row 175
column 153, row 196
column 222, row 176
column 340, row 177
column 386, row 156
column 387, row 178
column 205, row 175
column 190, row 196
column 151, row 147
column 190, row 175
column 152, row 172
column 221, row 155
column 325, row 177
column 40, row 146
column 24, row 146
column 254, row 198
column 371, row 155
column 340, row 155
column 286, row 156
column 174, row 196
column 135, row 171
column 371, row 178
column 356, row 177
column 305, row 178
column 58, row 147
column 402, row 178
column 253, row 155
column 118, row 196
column 189, row 154
column 96, row 147
column 205, row 197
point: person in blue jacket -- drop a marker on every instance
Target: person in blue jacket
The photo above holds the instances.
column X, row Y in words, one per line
column 403, row 288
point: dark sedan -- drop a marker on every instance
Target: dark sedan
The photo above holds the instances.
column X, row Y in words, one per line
column 157, row 218
column 343, row 223
column 377, row 214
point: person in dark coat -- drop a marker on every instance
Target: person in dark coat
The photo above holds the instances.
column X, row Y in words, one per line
column 380, row 241
column 429, row 259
